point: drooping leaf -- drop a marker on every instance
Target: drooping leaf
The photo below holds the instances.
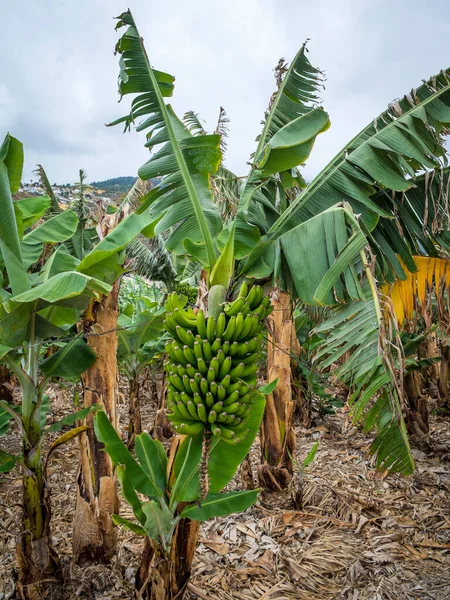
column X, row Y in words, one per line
column 221, row 505
column 117, row 520
column 70, row 361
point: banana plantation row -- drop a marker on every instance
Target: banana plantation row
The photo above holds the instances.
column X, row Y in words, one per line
column 359, row 252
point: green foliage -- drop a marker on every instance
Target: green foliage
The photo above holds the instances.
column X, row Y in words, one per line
column 158, row 512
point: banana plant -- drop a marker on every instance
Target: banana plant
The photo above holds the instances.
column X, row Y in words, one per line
column 38, row 307
column 140, row 342
column 165, row 497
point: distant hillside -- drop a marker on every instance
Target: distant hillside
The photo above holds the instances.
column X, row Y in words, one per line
column 118, row 184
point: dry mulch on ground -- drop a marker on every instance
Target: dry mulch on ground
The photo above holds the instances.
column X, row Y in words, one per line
column 358, row 536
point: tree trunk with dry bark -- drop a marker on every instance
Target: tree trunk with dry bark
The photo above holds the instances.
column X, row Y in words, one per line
column 94, row 535
column 277, row 435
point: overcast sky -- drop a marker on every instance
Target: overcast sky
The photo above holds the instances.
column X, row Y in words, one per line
column 58, row 83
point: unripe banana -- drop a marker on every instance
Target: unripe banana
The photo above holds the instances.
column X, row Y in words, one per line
column 183, row 411
column 190, row 428
column 198, row 351
column 181, row 334
column 221, row 393
column 224, row 368
column 216, row 346
column 211, row 375
column 229, row 331
column 176, row 381
column 226, row 382
column 231, row 408
column 251, row 359
column 233, row 348
column 225, row 432
column 244, row 389
column 190, row 370
column 192, row 408
column 225, row 418
column 232, row 399
column 221, row 324
column 251, row 296
column 169, row 324
column 201, row 365
column 186, row 384
column 212, row 416
column 197, row 399
column 210, row 328
column 204, row 387
column 189, row 354
column 201, row 324
column 178, row 352
column 195, row 388
column 180, row 370
column 237, row 371
column 198, row 377
column 242, row 349
column 233, row 387
column 217, row 407
column 182, row 319
column 249, row 371
column 243, row 290
column 239, row 325
column 209, row 399
column 206, row 348
column 255, row 326
column 232, row 309
column 246, row 328
column 213, row 388
column 242, row 410
column 215, row 365
column 226, row 347
column 202, row 414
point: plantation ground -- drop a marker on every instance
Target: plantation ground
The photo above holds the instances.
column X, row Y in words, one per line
column 358, row 536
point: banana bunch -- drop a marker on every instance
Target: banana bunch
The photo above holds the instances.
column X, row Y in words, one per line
column 212, row 364
column 191, row 293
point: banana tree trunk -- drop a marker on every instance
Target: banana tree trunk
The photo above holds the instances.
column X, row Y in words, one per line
column 417, row 415
column 5, row 384
column 443, row 377
column 134, row 414
column 277, row 435
column 302, row 404
column 162, row 577
column 37, row 561
column 94, row 535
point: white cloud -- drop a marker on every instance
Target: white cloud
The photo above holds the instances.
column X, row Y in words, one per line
column 59, row 74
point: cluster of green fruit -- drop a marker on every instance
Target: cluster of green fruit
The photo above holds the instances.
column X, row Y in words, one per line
column 191, row 293
column 212, row 364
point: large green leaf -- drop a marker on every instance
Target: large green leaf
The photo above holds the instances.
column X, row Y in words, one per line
column 11, row 154
column 120, row 455
column 183, row 199
column 322, row 254
column 148, row 327
column 128, row 229
column 152, row 458
column 55, row 230
column 32, row 209
column 399, row 144
column 129, row 493
column 70, row 361
column 9, row 235
column 62, row 286
column 158, row 523
column 220, row 505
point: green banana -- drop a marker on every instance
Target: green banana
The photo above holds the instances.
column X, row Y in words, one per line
column 232, row 399
column 211, row 376
column 186, row 384
column 198, row 352
column 181, row 334
column 189, row 428
column 192, row 408
column 204, row 387
column 178, row 352
column 239, row 325
column 215, row 365
column 202, row 414
column 234, row 348
column 225, row 418
column 213, row 388
column 201, row 366
column 246, row 328
column 209, row 399
column 195, row 388
column 237, row 371
column 243, row 290
column 185, row 398
column 206, row 348
column 233, row 387
column 216, row 345
column 183, row 411
column 212, row 416
column 176, row 381
column 189, row 354
column 201, row 324
column 221, row 393
column 233, row 308
column 226, row 382
column 210, row 328
column 229, row 331
column 221, row 324
column 226, row 347
column 226, row 433
column 224, row 368
column 242, row 348
column 190, row 370
column 217, row 407
column 182, row 319
column 231, row 408
column 197, row 399
column 249, row 370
